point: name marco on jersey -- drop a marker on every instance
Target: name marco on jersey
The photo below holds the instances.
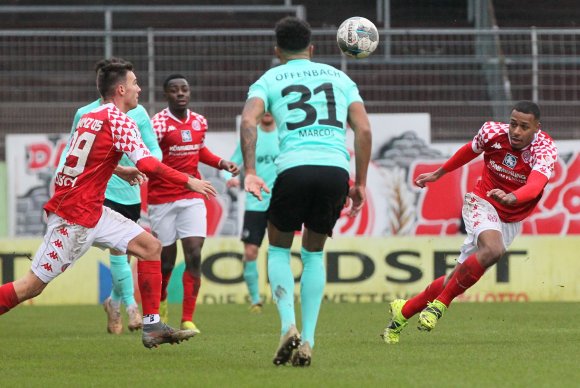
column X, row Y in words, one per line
column 307, row 73
column 90, row 123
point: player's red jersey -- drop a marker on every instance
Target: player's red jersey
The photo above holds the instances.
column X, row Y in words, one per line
column 508, row 169
column 182, row 144
column 97, row 145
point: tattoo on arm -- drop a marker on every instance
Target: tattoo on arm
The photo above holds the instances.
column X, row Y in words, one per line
column 248, row 137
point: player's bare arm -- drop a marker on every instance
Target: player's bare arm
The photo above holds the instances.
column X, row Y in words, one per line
column 359, row 122
column 251, row 115
column 130, row 174
column 230, row 167
column 429, row 177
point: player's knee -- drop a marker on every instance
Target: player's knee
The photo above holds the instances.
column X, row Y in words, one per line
column 250, row 252
column 491, row 255
column 153, row 249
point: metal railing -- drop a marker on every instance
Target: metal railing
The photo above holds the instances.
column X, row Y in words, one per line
column 46, row 75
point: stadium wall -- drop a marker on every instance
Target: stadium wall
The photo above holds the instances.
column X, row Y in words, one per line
column 363, row 269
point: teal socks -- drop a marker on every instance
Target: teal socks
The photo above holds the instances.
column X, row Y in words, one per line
column 251, row 278
column 282, row 284
column 122, row 281
column 311, row 292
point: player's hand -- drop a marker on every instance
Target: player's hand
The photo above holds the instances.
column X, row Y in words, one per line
column 230, row 167
column 358, row 196
column 203, row 187
column 502, row 197
column 131, row 175
column 254, row 185
column 234, row 182
column 422, row 179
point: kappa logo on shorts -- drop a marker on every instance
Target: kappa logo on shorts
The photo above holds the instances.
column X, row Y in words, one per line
column 186, row 135
column 57, row 243
column 47, row 267
column 510, row 161
column 53, row 255
column 492, row 218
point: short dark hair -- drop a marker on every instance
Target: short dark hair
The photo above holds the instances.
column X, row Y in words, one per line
column 292, row 34
column 103, row 62
column 110, row 74
column 171, row 78
column 528, row 107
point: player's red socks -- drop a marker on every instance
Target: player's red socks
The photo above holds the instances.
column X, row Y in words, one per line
column 419, row 302
column 191, row 286
column 149, row 278
column 8, row 298
column 465, row 276
column 164, row 283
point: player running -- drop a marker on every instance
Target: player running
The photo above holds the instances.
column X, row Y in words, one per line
column 178, row 213
column 312, row 104
column 123, row 198
column 256, row 211
column 76, row 216
column 519, row 159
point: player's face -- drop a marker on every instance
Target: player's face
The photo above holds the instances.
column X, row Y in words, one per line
column 523, row 128
column 267, row 122
column 177, row 94
column 132, row 90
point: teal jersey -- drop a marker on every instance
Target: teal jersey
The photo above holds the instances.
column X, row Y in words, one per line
column 267, row 151
column 119, row 190
column 309, row 102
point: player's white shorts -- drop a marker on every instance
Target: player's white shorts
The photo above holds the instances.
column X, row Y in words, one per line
column 64, row 243
column 176, row 220
column 479, row 215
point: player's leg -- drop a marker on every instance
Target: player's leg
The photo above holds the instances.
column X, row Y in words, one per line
column 18, row 291
column 62, row 245
column 126, row 236
column 168, row 258
column 490, row 237
column 329, row 188
column 162, row 218
column 122, row 276
column 255, row 224
column 192, row 247
column 191, row 227
column 282, row 285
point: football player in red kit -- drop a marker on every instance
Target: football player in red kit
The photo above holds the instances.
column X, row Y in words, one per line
column 177, row 213
column 76, row 216
column 519, row 159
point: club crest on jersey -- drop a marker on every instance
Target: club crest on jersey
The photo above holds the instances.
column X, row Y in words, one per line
column 510, row 161
column 526, row 156
column 186, row 136
column 196, row 125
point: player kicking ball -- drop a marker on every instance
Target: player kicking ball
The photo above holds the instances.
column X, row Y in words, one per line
column 77, row 219
column 519, row 159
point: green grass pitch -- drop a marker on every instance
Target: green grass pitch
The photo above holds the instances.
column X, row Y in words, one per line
column 474, row 345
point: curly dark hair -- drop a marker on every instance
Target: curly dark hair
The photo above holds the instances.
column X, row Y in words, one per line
column 171, row 78
column 528, row 107
column 110, row 74
column 292, row 34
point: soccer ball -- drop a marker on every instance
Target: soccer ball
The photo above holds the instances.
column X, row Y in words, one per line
column 357, row 37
